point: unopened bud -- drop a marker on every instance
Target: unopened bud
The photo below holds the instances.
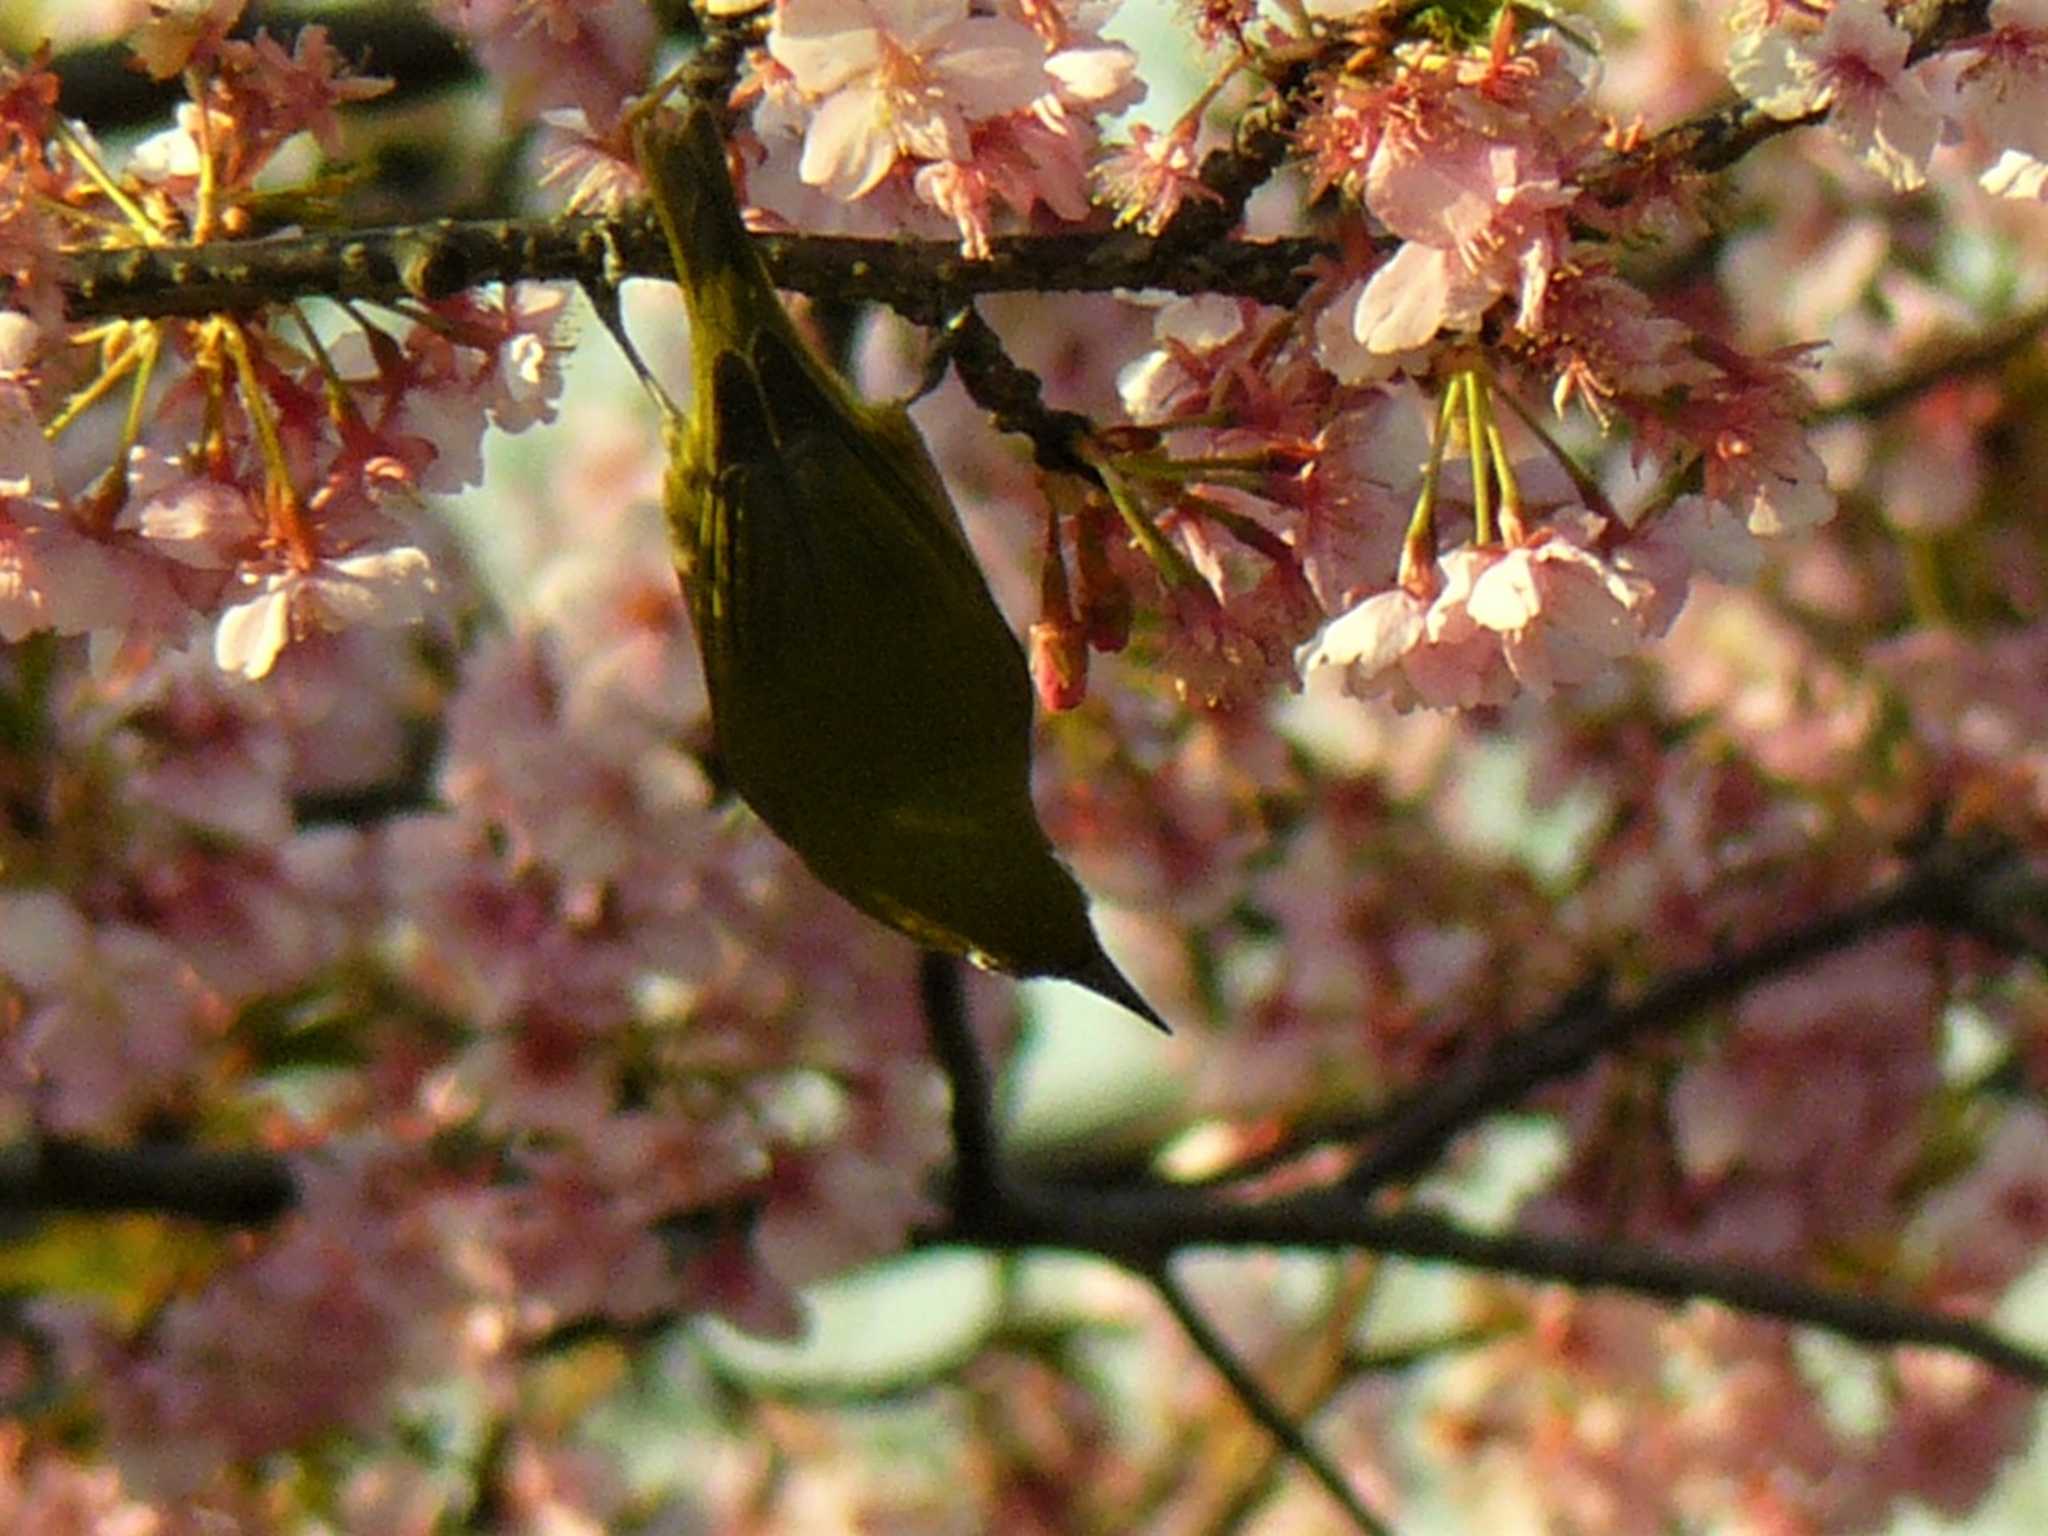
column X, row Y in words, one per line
column 1058, row 651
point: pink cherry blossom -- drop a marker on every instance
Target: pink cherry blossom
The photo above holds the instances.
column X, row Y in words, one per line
column 894, row 79
column 1854, row 65
column 1983, row 1230
column 30, row 466
column 114, row 1019
column 54, row 577
column 385, row 587
column 1149, row 180
column 166, row 42
column 1997, row 93
column 545, row 54
column 423, row 881
column 1563, row 612
column 1414, row 650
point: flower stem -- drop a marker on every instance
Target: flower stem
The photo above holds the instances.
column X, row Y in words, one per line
column 90, row 164
column 1418, row 545
column 1477, row 451
column 288, row 526
column 1172, row 564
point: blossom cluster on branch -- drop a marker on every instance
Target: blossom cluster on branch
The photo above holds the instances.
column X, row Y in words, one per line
column 1480, row 633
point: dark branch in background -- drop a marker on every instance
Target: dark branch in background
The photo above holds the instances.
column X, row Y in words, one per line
column 1265, row 1410
column 1935, row 24
column 979, row 1194
column 410, row 790
column 1971, row 893
column 959, row 1057
column 1136, row 1227
column 1216, row 1473
column 1942, row 890
column 1978, row 356
column 101, row 85
column 1982, row 892
column 232, row 1188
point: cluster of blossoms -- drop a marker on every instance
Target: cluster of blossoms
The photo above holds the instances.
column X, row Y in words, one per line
column 264, row 481
column 1810, row 1131
column 962, row 114
column 1331, row 504
column 1891, row 102
column 1543, row 592
column 596, row 1053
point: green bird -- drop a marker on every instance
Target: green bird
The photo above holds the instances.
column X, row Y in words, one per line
column 868, row 699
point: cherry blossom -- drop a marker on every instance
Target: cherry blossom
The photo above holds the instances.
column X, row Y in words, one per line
column 1854, row 65
column 115, row 1018
column 387, row 586
column 549, row 54
column 978, row 112
column 1149, row 181
column 900, row 78
column 1563, row 613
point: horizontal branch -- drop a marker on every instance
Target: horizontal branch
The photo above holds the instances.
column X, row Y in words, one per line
column 919, row 278
column 1138, row 1227
column 55, row 1175
column 1978, row 355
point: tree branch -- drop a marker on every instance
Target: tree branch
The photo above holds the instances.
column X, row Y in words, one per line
column 232, row 1188
column 975, row 1168
column 1943, row 889
column 1139, row 1227
column 1979, row 354
column 1715, row 140
column 1267, row 1411
column 1013, row 395
column 1143, row 1226
column 919, row 278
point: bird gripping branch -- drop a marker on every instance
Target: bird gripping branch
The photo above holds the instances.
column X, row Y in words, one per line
column 868, row 698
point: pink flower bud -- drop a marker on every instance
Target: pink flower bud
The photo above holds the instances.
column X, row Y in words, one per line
column 1058, row 649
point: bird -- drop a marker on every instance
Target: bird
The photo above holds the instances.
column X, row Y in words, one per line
column 868, row 699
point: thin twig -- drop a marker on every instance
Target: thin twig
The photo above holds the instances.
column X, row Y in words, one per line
column 1315, row 1370
column 1975, row 356
column 1013, row 395
column 1140, row 1228
column 975, row 1169
column 1642, row 1271
column 1415, row 1133
column 1257, row 1402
